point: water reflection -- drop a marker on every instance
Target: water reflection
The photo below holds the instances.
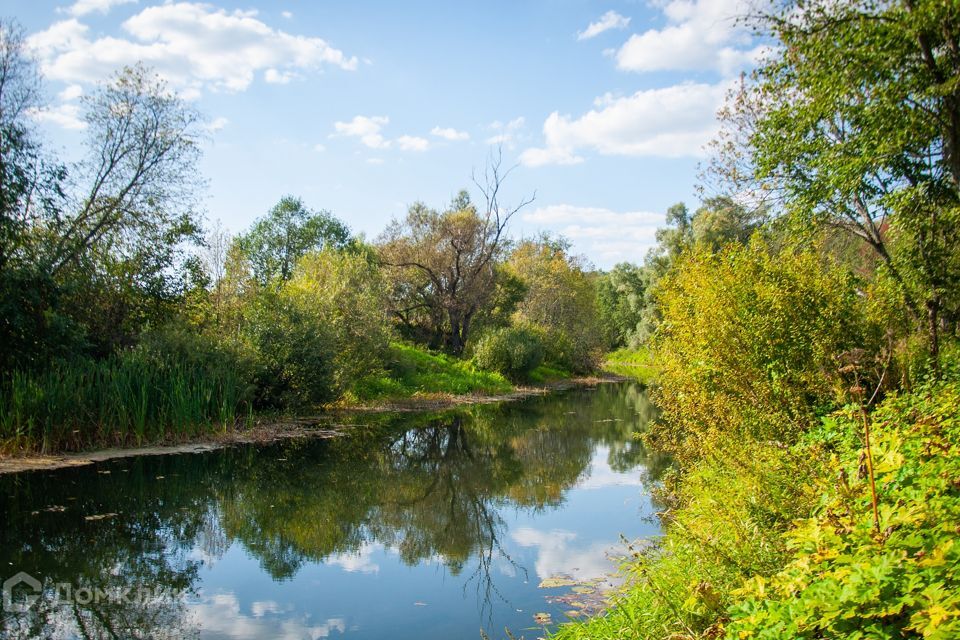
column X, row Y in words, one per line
column 485, row 501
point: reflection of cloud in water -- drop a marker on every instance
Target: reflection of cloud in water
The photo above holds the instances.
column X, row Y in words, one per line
column 601, row 475
column 557, row 553
column 219, row 617
column 360, row 561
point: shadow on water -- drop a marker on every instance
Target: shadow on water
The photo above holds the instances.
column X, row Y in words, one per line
column 143, row 547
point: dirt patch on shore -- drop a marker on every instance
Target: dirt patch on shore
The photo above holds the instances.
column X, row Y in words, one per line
column 325, row 425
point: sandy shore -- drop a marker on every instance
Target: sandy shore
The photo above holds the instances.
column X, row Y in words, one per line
column 326, row 425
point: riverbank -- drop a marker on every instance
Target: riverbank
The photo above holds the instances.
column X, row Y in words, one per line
column 332, row 422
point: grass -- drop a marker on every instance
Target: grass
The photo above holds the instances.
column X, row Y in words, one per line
column 123, row 400
column 412, row 371
column 767, row 541
column 632, row 363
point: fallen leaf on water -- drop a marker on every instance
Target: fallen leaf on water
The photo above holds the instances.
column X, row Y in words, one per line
column 573, row 613
column 100, row 516
column 556, row 581
column 583, row 590
column 56, row 508
column 419, row 604
column 542, row 618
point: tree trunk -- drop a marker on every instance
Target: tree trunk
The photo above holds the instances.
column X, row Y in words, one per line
column 933, row 331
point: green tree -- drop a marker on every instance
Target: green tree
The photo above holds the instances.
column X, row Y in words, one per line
column 620, row 302
column 444, row 264
column 289, row 231
column 560, row 299
column 853, row 122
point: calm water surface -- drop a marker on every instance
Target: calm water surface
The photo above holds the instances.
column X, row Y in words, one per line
column 410, row 527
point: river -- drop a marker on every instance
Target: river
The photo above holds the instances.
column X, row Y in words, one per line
column 411, row 526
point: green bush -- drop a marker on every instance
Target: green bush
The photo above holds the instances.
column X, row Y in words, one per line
column 752, row 343
column 152, row 392
column 514, row 352
column 320, row 332
column 848, row 577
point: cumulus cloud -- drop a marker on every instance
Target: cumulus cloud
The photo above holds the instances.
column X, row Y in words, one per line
column 366, row 128
column 449, row 133
column 607, row 236
column 66, row 116
column 217, row 124
column 609, row 20
column 671, row 122
column 83, row 7
column 505, row 133
column 369, row 131
column 195, row 46
column 413, row 143
column 699, row 35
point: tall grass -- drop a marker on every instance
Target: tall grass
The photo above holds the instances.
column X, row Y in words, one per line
column 126, row 399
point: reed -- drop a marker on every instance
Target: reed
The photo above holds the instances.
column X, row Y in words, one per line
column 127, row 399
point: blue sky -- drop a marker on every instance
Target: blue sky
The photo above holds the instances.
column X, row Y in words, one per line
column 363, row 108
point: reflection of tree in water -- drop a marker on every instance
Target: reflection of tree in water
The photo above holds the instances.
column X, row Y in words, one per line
column 426, row 487
column 140, row 537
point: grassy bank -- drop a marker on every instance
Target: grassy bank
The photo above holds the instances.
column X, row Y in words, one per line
column 632, row 363
column 768, row 541
column 136, row 399
column 412, row 371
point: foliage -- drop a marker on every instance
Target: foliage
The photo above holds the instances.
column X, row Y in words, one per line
column 853, row 121
column 846, row 579
column 632, row 363
column 560, row 299
column 289, row 231
column 751, row 342
column 411, row 371
column 321, row 331
column 620, row 304
column 154, row 392
column 514, row 351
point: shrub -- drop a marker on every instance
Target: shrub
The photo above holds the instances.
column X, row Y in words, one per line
column 849, row 578
column 750, row 344
column 514, row 352
column 321, row 331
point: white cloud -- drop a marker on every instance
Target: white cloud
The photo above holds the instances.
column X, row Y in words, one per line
column 366, row 128
column 609, row 20
column 217, row 124
column 700, row 35
column 375, row 161
column 72, row 92
column 286, row 14
column 413, row 143
column 319, row 148
column 671, row 122
column 505, row 133
column 369, row 130
column 607, row 236
column 83, row 7
column 449, row 133
column 279, row 77
column 195, row 46
column 65, row 115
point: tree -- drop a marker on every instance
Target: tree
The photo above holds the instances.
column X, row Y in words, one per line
column 138, row 181
column 620, row 302
column 288, row 232
column 444, row 263
column 560, row 299
column 19, row 93
column 854, row 122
